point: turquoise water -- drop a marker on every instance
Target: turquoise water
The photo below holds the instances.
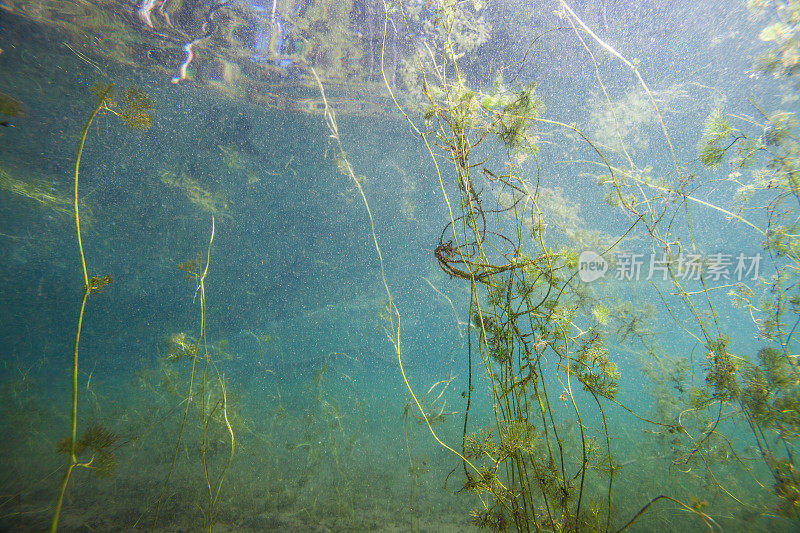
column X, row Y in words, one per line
column 260, row 389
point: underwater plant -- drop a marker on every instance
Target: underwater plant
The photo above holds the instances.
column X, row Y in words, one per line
column 38, row 191
column 518, row 322
column 548, row 408
column 538, row 329
column 214, row 203
column 135, row 113
column 766, row 388
column 783, row 59
column 206, row 382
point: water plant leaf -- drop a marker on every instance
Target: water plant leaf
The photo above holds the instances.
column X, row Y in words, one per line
column 136, row 106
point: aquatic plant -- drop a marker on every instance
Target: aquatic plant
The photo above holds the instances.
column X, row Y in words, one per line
column 135, row 113
column 327, row 442
column 38, row 191
column 783, row 59
column 751, row 392
column 536, row 324
column 97, row 440
column 206, row 382
column 518, row 321
column 546, row 416
column 214, row 203
column 765, row 387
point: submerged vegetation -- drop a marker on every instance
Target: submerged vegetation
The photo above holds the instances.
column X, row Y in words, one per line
column 135, row 113
column 591, row 321
column 38, row 191
column 539, row 329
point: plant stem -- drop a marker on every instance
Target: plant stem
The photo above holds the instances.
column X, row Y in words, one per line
column 72, row 460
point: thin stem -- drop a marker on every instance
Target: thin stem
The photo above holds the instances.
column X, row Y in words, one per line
column 71, row 460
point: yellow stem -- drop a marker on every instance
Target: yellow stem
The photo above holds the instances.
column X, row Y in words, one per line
column 72, row 460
